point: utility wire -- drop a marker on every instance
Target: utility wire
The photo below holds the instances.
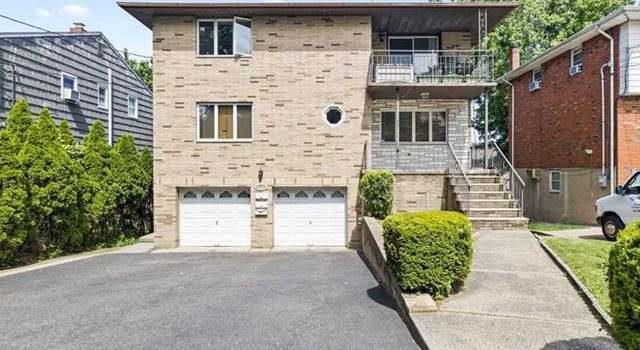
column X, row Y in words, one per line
column 61, row 36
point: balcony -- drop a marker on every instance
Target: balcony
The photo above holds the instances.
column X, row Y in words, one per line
column 438, row 73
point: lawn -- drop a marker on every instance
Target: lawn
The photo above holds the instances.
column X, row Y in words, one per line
column 548, row 227
column 588, row 259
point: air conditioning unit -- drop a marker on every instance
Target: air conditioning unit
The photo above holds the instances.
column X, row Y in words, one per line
column 70, row 95
column 535, row 85
column 575, row 69
column 533, row 174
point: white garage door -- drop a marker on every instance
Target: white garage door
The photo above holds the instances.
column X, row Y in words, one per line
column 310, row 217
column 215, row 217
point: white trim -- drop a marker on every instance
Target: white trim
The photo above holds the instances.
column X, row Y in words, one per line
column 104, row 106
column 329, row 107
column 137, row 105
column 215, row 22
column 573, row 52
column 215, row 138
column 551, row 189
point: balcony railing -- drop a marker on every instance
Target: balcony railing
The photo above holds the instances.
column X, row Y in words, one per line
column 431, row 67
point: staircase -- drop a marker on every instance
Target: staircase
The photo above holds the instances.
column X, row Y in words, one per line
column 484, row 198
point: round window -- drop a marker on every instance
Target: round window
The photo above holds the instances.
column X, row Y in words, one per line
column 333, row 115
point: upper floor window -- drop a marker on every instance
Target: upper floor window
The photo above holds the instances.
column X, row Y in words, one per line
column 220, row 122
column 576, row 61
column 536, row 76
column 102, row 96
column 132, row 106
column 224, row 37
column 69, row 87
column 415, row 126
column 554, row 181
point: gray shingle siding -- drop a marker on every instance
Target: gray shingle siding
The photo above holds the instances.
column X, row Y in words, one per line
column 39, row 60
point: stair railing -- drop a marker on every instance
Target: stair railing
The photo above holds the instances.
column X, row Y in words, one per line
column 512, row 179
column 459, row 170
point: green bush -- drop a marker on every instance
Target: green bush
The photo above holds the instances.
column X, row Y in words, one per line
column 429, row 251
column 624, row 287
column 376, row 188
column 58, row 196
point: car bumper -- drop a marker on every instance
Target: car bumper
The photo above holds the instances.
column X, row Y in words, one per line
column 599, row 220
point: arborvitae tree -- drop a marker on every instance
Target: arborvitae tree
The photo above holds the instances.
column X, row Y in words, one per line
column 13, row 199
column 97, row 194
column 130, row 184
column 52, row 208
column 19, row 119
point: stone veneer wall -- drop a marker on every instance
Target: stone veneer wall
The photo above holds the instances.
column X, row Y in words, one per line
column 422, row 156
column 299, row 66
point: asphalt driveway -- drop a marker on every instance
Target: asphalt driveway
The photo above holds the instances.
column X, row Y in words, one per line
column 307, row 300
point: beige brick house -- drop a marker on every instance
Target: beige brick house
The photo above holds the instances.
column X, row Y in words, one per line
column 266, row 114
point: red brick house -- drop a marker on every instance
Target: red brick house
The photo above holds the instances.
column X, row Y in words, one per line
column 560, row 117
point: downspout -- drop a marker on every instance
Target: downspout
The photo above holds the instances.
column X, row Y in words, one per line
column 109, row 106
column 397, row 127
column 604, row 116
column 611, row 109
column 486, row 129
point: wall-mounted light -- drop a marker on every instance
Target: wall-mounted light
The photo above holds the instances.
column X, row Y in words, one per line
column 382, row 36
column 260, row 175
column 425, row 95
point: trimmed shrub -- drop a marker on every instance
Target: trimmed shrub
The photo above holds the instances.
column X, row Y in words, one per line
column 376, row 188
column 624, row 287
column 429, row 251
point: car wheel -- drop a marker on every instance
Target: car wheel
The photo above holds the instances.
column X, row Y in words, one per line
column 611, row 225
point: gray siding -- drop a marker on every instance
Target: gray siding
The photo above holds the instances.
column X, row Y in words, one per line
column 39, row 61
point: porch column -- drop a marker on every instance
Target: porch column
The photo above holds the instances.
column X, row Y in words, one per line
column 486, row 129
column 397, row 128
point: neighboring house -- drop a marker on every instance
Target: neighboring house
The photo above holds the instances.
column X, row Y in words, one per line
column 561, row 138
column 268, row 113
column 80, row 77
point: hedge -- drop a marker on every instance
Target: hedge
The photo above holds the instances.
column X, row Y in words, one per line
column 429, row 252
column 58, row 196
column 624, row 287
column 376, row 188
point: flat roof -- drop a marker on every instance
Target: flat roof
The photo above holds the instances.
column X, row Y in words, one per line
column 391, row 17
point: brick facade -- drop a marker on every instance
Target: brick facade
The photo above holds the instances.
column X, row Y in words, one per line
column 628, row 131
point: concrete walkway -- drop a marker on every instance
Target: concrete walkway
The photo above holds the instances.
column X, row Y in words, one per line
column 591, row 232
column 515, row 298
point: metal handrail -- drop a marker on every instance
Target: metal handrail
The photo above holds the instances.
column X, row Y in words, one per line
column 460, row 169
column 516, row 188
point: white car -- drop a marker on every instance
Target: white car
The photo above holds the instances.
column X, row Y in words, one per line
column 617, row 210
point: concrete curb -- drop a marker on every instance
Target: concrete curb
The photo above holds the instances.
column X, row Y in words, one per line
column 374, row 257
column 590, row 299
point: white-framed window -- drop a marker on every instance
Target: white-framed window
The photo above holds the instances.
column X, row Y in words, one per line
column 132, row 106
column 555, row 181
column 224, row 37
column 225, row 121
column 333, row 115
column 414, row 126
column 102, row 96
column 536, row 75
column 68, row 82
column 576, row 57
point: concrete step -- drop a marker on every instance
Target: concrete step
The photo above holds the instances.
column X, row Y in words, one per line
column 459, row 179
column 460, row 187
column 496, row 223
column 483, row 195
column 494, row 212
column 486, row 203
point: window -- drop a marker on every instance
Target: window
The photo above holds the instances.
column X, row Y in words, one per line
column 404, row 48
column 302, row 194
column 190, row 195
column 576, row 57
column 415, row 126
column 67, row 82
column 225, row 122
column 554, row 181
column 536, row 75
column 333, row 115
column 224, row 37
column 283, row 194
column 226, row 194
column 244, row 194
column 319, row 194
column 132, row 106
column 337, row 194
column 208, row 194
column 102, row 96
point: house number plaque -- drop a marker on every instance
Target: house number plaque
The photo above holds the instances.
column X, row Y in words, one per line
column 261, row 195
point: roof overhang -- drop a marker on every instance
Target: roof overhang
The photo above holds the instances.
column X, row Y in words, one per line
column 390, row 17
column 614, row 19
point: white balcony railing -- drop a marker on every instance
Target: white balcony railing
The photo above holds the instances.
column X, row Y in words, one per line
column 432, row 67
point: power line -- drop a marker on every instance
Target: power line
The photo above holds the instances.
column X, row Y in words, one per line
column 61, row 36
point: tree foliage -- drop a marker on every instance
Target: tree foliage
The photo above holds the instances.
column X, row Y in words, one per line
column 534, row 27
column 144, row 69
column 59, row 196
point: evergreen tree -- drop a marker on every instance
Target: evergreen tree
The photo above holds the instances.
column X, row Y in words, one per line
column 19, row 119
column 146, row 159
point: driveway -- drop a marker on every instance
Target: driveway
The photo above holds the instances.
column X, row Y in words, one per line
column 307, row 300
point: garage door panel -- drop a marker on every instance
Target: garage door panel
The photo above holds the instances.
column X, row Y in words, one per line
column 312, row 218
column 215, row 221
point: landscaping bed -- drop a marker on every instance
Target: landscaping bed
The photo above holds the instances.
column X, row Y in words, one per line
column 539, row 226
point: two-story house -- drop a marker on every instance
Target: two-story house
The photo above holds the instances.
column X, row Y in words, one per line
column 266, row 114
column 80, row 77
column 563, row 104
